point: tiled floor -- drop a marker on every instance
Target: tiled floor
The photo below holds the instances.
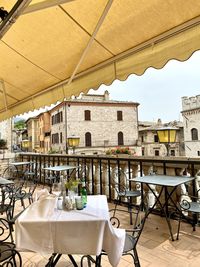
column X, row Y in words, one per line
column 154, row 248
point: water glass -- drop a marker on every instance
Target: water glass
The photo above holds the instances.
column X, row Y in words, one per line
column 79, row 203
column 56, row 189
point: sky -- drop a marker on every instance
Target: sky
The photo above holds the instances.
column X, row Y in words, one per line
column 158, row 92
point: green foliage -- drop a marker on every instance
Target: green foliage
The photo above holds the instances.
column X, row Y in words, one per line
column 119, row 150
column 71, row 184
column 3, row 143
column 19, row 125
column 51, row 151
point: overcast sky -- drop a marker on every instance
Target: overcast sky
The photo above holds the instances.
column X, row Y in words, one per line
column 158, row 92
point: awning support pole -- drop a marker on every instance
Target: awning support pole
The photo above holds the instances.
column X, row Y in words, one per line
column 101, row 20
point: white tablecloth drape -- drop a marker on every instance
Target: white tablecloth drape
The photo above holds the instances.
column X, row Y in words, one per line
column 45, row 229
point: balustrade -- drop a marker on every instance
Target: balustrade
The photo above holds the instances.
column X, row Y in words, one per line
column 99, row 170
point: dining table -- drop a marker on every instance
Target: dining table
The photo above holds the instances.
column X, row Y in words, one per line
column 20, row 167
column 168, row 185
column 46, row 228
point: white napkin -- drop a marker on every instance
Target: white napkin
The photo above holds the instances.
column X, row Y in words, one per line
column 43, row 193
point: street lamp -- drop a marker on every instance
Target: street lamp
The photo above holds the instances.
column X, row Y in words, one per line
column 73, row 141
column 167, row 135
column 25, row 144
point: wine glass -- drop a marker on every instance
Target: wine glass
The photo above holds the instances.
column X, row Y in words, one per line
column 56, row 188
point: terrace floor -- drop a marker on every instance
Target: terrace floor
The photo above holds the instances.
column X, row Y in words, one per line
column 154, row 247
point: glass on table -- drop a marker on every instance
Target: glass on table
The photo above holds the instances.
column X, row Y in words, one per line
column 56, row 189
column 79, row 203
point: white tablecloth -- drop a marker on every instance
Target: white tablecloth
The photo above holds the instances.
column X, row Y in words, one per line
column 45, row 229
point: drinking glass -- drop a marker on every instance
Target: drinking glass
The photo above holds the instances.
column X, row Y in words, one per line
column 56, row 189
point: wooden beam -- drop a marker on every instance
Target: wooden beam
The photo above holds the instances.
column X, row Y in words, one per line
column 44, row 4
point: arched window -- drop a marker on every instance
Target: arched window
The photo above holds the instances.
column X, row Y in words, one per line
column 120, row 139
column 87, row 115
column 194, row 134
column 88, row 139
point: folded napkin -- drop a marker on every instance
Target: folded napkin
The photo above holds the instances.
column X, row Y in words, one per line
column 43, row 193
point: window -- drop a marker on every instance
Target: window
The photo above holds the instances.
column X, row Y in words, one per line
column 156, row 152
column 120, row 139
column 142, row 151
column 60, row 137
column 52, row 120
column 155, row 138
column 88, row 139
column 87, row 115
column 55, row 138
column 57, row 118
column 142, row 138
column 194, row 134
column 119, row 115
column 172, row 152
column 198, row 153
column 42, row 144
column 61, row 116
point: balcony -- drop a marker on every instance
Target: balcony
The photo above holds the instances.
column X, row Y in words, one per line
column 154, row 247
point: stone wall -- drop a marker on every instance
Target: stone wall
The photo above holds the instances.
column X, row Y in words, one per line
column 191, row 119
column 6, row 132
column 103, row 126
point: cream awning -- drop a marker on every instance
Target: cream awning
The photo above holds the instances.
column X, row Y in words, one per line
column 56, row 49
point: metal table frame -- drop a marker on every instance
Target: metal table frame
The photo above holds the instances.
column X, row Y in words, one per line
column 164, row 181
column 58, row 169
column 20, row 163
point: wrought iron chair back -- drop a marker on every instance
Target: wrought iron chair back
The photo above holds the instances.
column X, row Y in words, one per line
column 9, row 256
column 190, row 205
column 6, row 200
column 121, row 185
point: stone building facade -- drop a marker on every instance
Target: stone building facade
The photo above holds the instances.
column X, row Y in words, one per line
column 33, row 134
column 150, row 143
column 6, row 133
column 191, row 121
column 100, row 123
column 44, row 132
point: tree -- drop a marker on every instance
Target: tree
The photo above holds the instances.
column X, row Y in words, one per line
column 3, row 144
column 20, row 124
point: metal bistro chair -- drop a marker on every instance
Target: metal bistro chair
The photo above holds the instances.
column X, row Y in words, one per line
column 9, row 195
column 6, row 201
column 22, row 194
column 121, row 186
column 190, row 205
column 9, row 256
column 31, row 173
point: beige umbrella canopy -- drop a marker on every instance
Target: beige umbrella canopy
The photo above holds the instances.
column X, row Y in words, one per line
column 50, row 50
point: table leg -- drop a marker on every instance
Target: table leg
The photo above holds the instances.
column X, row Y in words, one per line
column 72, row 260
column 162, row 206
column 53, row 260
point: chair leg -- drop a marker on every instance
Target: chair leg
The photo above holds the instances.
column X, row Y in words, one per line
column 136, row 258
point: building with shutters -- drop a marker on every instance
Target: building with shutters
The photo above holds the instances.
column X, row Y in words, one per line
column 100, row 123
